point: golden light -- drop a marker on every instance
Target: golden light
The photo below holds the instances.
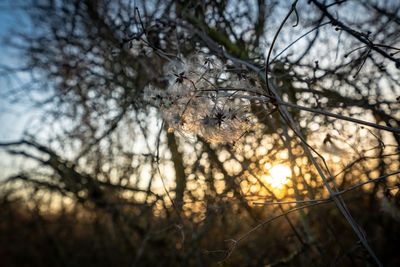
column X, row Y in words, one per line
column 278, row 175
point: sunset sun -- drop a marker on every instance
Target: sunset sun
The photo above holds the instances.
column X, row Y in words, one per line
column 277, row 175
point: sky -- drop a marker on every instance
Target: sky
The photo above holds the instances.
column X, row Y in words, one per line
column 13, row 115
column 11, row 118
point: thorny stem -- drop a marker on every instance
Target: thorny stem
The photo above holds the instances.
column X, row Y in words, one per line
column 351, row 188
column 341, row 117
column 332, row 190
column 298, row 39
column 313, row 110
column 286, row 116
column 358, row 35
column 274, row 218
column 274, row 40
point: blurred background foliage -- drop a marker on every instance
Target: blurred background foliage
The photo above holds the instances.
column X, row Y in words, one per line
column 98, row 180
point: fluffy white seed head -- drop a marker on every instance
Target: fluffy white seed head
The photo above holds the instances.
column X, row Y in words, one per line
column 205, row 98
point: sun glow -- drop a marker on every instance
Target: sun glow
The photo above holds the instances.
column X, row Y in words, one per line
column 278, row 175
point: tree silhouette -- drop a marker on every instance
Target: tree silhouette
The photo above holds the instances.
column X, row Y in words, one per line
column 162, row 121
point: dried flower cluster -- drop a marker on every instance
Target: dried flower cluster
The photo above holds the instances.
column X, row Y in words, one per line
column 205, row 98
